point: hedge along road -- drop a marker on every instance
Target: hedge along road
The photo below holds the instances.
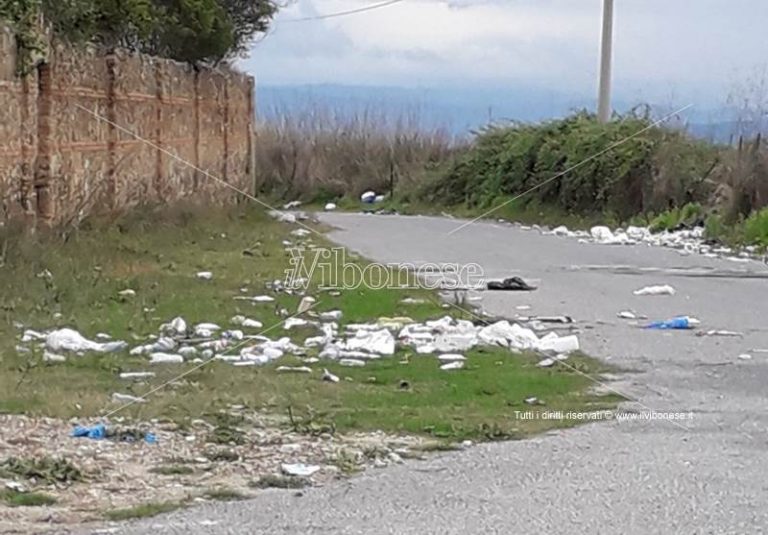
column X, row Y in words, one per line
column 700, row 475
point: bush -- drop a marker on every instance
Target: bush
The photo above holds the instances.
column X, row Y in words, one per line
column 756, row 228
column 581, row 166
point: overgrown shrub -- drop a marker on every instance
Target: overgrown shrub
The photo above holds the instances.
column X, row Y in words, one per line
column 599, row 168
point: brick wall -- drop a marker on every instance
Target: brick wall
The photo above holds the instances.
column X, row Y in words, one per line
column 167, row 131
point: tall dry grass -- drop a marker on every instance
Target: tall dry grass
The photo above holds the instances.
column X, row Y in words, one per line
column 324, row 154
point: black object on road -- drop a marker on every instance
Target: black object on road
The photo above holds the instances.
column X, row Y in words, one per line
column 513, row 284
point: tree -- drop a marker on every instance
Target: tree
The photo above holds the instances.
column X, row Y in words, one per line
column 249, row 17
column 186, row 30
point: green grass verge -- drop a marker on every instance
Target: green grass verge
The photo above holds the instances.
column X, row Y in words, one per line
column 46, row 282
column 14, row 498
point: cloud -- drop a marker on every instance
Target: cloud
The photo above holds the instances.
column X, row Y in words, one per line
column 661, row 46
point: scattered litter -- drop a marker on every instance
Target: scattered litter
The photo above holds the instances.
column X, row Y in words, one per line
column 137, row 375
column 533, row 400
column 291, row 205
column 204, row 275
column 552, row 319
column 283, row 217
column 369, row 197
column 69, row 340
column 127, row 293
column 242, row 321
column 511, row 284
column 306, row 304
column 381, row 342
column 300, row 233
column 100, row 432
column 177, row 325
column 329, row 377
column 53, row 357
column 720, row 333
column 628, row 315
column 523, row 307
column 330, row 207
column 745, row 356
column 331, row 315
column 412, row 301
column 656, row 290
column 126, row 398
column 299, row 469
column 166, row 358
column 290, row 323
column 456, row 365
column 559, row 344
column 679, row 322
column 451, row 357
column 255, row 298
column 294, row 369
column 30, row 336
column 546, row 363
column 352, row 363
column 95, row 432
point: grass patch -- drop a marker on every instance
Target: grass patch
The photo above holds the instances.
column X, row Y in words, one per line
column 224, row 495
column 141, row 511
column 172, row 470
column 273, row 481
column 14, row 498
column 41, row 469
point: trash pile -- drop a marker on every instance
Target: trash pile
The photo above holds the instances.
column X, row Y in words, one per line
column 123, row 469
column 686, row 241
column 353, row 345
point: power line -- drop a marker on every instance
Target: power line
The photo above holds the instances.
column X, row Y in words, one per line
column 344, row 13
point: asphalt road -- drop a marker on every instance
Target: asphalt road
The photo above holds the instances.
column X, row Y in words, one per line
column 708, row 474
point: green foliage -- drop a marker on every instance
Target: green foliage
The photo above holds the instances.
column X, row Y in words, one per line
column 44, row 469
column 26, row 499
column 756, row 228
column 581, row 166
column 184, row 30
column 688, row 216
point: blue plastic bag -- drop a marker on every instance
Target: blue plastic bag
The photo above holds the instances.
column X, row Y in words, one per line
column 680, row 322
column 96, row 432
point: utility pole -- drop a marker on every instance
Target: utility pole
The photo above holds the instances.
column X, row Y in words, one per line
column 604, row 93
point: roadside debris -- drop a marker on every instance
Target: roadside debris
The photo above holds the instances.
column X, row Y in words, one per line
column 515, row 284
column 283, row 217
column 456, row 365
column 299, row 469
column 369, row 197
column 330, row 207
column 630, row 315
column 126, row 398
column 656, row 290
column 329, row 377
column 127, row 293
column 745, row 356
column 204, row 275
column 101, row 432
column 69, row 340
column 679, row 322
column 720, row 333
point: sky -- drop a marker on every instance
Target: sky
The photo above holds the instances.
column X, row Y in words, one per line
column 672, row 52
